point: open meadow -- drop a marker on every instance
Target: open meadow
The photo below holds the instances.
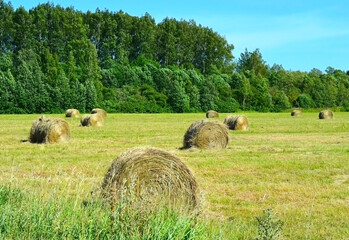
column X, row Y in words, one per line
column 297, row 166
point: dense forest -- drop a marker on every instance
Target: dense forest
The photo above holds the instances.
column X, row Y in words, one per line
column 54, row 58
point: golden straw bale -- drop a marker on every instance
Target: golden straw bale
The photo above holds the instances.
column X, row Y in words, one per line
column 326, row 114
column 212, row 114
column 99, row 111
column 236, row 122
column 296, row 113
column 49, row 130
column 206, row 134
column 153, row 175
column 94, row 120
column 74, row 113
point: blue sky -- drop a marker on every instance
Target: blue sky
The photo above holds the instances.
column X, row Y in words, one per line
column 298, row 34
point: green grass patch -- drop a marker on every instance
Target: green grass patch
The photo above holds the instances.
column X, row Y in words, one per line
column 296, row 166
column 25, row 215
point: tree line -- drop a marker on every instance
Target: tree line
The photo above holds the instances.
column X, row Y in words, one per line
column 54, row 58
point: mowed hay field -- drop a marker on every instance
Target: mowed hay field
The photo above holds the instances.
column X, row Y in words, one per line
column 297, row 166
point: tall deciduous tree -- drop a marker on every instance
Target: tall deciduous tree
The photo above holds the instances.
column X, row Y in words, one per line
column 35, row 98
column 6, row 27
column 252, row 61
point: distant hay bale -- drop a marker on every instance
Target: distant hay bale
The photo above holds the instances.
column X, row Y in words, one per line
column 92, row 120
column 326, row 114
column 212, row 114
column 74, row 113
column 49, row 130
column 153, row 176
column 99, row 111
column 296, row 113
column 236, row 122
column 206, row 134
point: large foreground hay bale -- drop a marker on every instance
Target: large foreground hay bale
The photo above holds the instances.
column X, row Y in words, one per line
column 153, row 176
column 99, row 111
column 296, row 113
column 326, row 114
column 49, row 130
column 74, row 113
column 206, row 134
column 92, row 120
column 236, row 122
column 212, row 114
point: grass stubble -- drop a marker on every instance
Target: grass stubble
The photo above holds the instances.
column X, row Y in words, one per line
column 296, row 166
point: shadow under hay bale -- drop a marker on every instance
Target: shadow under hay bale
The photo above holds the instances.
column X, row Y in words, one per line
column 236, row 122
column 212, row 114
column 49, row 130
column 326, row 114
column 154, row 177
column 206, row 134
column 99, row 111
column 92, row 120
column 73, row 113
column 296, row 113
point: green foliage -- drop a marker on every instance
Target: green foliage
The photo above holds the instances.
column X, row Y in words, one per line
column 226, row 102
column 261, row 100
column 304, row 101
column 345, row 107
column 8, row 89
column 54, row 58
column 91, row 95
column 144, row 99
column 178, row 99
column 269, row 228
column 208, row 96
column 252, row 61
column 280, row 101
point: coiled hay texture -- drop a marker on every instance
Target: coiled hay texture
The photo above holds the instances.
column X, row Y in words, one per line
column 99, row 111
column 92, row 120
column 236, row 122
column 212, row 114
column 154, row 176
column 49, row 130
column 73, row 113
column 296, row 113
column 206, row 134
column 326, row 114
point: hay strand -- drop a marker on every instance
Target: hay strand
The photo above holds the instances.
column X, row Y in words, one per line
column 99, row 111
column 212, row 114
column 296, row 113
column 206, row 134
column 73, row 113
column 154, row 175
column 326, row 114
column 49, row 130
column 236, row 122
column 92, row 120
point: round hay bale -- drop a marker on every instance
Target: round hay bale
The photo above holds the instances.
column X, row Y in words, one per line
column 92, row 120
column 74, row 113
column 154, row 176
column 236, row 122
column 49, row 130
column 212, row 114
column 296, row 113
column 206, row 134
column 326, row 114
column 99, row 111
